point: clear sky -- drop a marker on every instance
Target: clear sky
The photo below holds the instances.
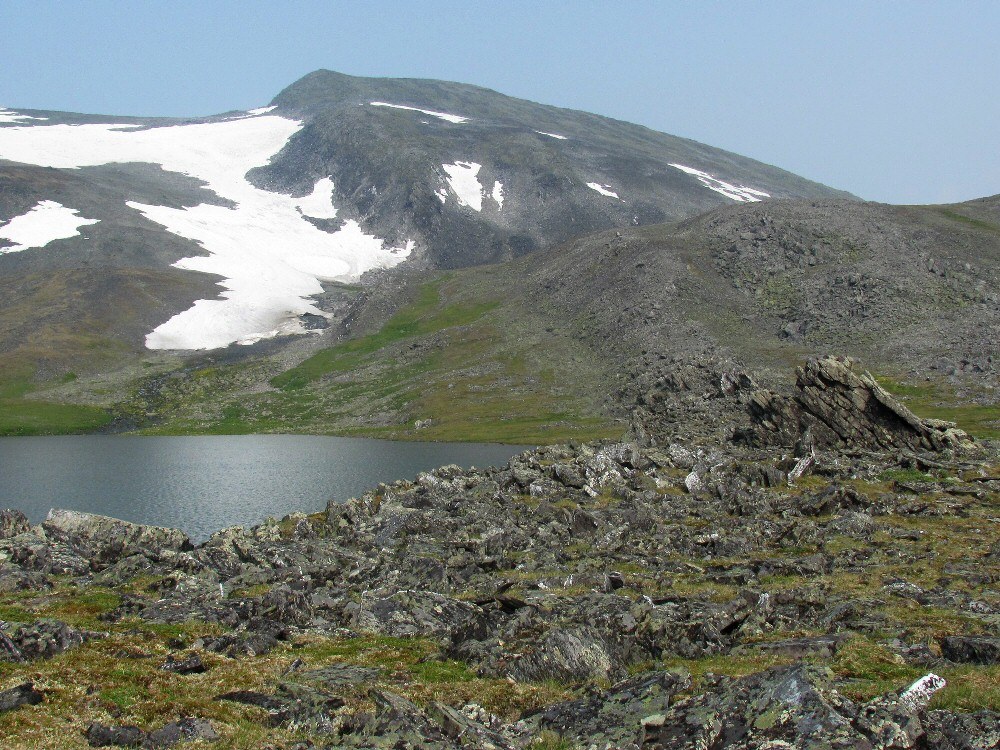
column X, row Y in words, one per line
column 893, row 101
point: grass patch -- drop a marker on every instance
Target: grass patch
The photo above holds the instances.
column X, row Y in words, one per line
column 425, row 315
column 939, row 401
column 968, row 220
column 23, row 416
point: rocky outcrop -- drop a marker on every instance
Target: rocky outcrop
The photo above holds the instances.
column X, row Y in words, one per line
column 787, row 706
column 833, row 406
column 107, row 540
column 13, row 523
column 43, row 639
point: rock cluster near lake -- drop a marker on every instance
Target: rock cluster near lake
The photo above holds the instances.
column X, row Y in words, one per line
column 640, row 594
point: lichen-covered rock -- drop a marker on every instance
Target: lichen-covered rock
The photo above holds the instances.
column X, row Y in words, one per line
column 408, row 613
column 576, row 654
column 793, row 706
column 613, row 719
column 44, row 639
column 106, row 540
column 839, row 407
column 12, row 523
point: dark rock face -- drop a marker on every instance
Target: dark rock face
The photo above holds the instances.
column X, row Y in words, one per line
column 838, row 407
column 183, row 730
column 99, row 735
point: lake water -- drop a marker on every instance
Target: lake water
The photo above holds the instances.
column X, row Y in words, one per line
column 206, row 483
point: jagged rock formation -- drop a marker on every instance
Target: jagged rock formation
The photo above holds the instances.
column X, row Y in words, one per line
column 836, row 407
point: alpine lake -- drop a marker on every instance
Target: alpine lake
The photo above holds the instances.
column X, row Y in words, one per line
column 206, row 483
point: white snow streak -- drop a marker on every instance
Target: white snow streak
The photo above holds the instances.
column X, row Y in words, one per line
column 442, row 194
column 8, row 115
column 551, row 135
column 270, row 257
column 498, row 193
column 740, row 193
column 319, row 204
column 261, row 110
column 603, row 190
column 463, row 181
column 44, row 223
column 440, row 115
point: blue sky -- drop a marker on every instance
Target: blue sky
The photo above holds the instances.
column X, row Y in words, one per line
column 895, row 102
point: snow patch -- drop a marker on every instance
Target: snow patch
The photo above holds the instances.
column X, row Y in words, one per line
column 603, row 190
column 463, row 181
column 457, row 119
column 262, row 110
column 498, row 193
column 442, row 194
column 740, row 193
column 551, row 135
column 44, row 223
column 271, row 258
column 319, row 203
column 9, row 115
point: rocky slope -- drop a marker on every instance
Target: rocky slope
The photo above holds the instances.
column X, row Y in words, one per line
column 640, row 324
column 601, row 595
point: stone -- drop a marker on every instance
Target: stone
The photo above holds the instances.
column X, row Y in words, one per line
column 13, row 523
column 191, row 665
column 22, row 695
column 183, row 730
column 975, row 649
column 99, row 735
column 106, row 540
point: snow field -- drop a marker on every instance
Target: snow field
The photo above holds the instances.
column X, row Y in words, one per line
column 603, row 190
column 498, row 194
column 46, row 222
column 463, row 180
column 740, row 193
column 457, row 119
column 271, row 258
column 8, row 115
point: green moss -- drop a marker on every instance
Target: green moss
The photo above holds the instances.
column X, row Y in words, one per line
column 938, row 400
column 23, row 416
column 968, row 220
column 425, row 315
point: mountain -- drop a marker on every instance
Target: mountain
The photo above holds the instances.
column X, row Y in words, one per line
column 638, row 269
column 200, row 233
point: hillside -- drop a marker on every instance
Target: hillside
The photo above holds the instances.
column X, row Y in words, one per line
column 636, row 324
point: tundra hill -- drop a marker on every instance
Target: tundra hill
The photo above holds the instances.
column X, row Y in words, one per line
column 637, row 328
column 123, row 239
